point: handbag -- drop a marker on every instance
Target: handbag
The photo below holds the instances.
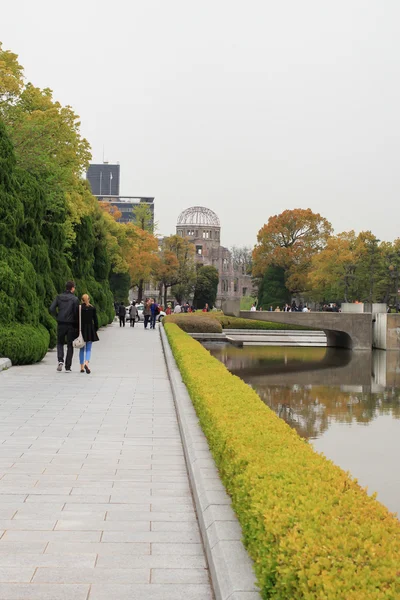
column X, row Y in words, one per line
column 79, row 342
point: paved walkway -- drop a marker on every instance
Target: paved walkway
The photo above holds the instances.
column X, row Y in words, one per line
column 95, row 502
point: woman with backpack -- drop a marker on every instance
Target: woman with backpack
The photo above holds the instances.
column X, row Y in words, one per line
column 89, row 327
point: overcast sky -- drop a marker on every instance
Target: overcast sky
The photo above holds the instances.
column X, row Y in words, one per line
column 246, row 107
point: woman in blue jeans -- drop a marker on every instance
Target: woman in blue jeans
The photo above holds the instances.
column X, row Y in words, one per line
column 89, row 325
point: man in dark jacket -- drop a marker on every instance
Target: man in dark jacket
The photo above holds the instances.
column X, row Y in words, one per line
column 65, row 308
column 122, row 314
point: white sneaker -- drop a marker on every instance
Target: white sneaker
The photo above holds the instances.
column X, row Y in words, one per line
column 60, row 366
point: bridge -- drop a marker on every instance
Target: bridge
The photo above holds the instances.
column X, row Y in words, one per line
column 343, row 330
column 352, row 330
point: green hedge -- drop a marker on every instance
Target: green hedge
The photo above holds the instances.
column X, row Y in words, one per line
column 195, row 323
column 237, row 323
column 312, row 531
column 24, row 344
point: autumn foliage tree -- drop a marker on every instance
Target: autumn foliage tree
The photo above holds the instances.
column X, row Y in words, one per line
column 289, row 241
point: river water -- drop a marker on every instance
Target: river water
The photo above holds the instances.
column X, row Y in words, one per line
column 346, row 403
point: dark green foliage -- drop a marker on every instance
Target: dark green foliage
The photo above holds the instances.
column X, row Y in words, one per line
column 24, row 344
column 34, row 264
column 237, row 323
column 206, row 287
column 272, row 290
column 120, row 284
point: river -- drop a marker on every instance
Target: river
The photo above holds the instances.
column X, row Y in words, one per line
column 346, row 403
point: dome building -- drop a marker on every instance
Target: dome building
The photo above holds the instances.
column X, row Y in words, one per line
column 202, row 226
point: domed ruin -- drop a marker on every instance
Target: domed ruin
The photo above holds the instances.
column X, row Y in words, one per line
column 202, row 227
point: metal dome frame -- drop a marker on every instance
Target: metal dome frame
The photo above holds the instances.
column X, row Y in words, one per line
column 200, row 216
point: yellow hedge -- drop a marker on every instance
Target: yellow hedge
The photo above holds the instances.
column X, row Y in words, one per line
column 312, row 532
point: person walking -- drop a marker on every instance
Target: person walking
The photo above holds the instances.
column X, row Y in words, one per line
column 65, row 308
column 147, row 312
column 89, row 328
column 177, row 309
column 154, row 312
column 122, row 314
column 133, row 313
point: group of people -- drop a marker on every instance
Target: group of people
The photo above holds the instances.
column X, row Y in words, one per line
column 286, row 308
column 74, row 318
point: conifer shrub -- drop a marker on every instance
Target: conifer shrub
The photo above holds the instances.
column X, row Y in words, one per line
column 312, row 531
column 195, row 323
column 24, row 344
column 238, row 323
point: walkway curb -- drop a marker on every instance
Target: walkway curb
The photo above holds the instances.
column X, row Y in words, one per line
column 5, row 363
column 230, row 566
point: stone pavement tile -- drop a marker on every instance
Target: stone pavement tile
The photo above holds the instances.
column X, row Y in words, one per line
column 151, row 536
column 48, row 560
column 151, row 592
column 183, row 526
column 28, row 524
column 116, row 515
column 32, row 591
column 179, row 576
column 51, row 536
column 100, row 548
column 153, row 561
column 177, row 548
column 16, row 574
column 29, row 547
column 92, row 575
column 102, row 525
column 128, row 507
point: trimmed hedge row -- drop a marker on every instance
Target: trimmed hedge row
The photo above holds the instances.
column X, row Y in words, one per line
column 194, row 323
column 24, row 344
column 238, row 323
column 215, row 322
column 311, row 530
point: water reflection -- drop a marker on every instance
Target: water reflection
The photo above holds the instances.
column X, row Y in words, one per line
column 312, row 387
column 347, row 403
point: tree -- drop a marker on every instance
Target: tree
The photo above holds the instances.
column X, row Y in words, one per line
column 206, row 287
column 333, row 272
column 141, row 256
column 144, row 217
column 289, row 241
column 166, row 269
column 242, row 259
column 185, row 276
column 272, row 290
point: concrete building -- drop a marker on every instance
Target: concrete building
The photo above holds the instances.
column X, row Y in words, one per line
column 127, row 204
column 202, row 226
column 104, row 179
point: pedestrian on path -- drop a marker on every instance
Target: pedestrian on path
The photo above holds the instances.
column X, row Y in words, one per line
column 133, row 313
column 65, row 308
column 89, row 326
column 122, row 314
column 147, row 312
column 154, row 312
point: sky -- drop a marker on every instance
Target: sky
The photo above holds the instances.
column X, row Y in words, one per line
column 247, row 108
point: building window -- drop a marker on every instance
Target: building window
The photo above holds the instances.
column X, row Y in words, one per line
column 180, row 232
column 205, row 235
column 190, row 232
column 225, row 264
column 244, row 292
column 197, row 233
column 199, row 250
column 225, row 285
column 211, row 235
column 235, row 284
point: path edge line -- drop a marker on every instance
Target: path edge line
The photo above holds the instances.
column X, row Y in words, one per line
column 231, row 568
